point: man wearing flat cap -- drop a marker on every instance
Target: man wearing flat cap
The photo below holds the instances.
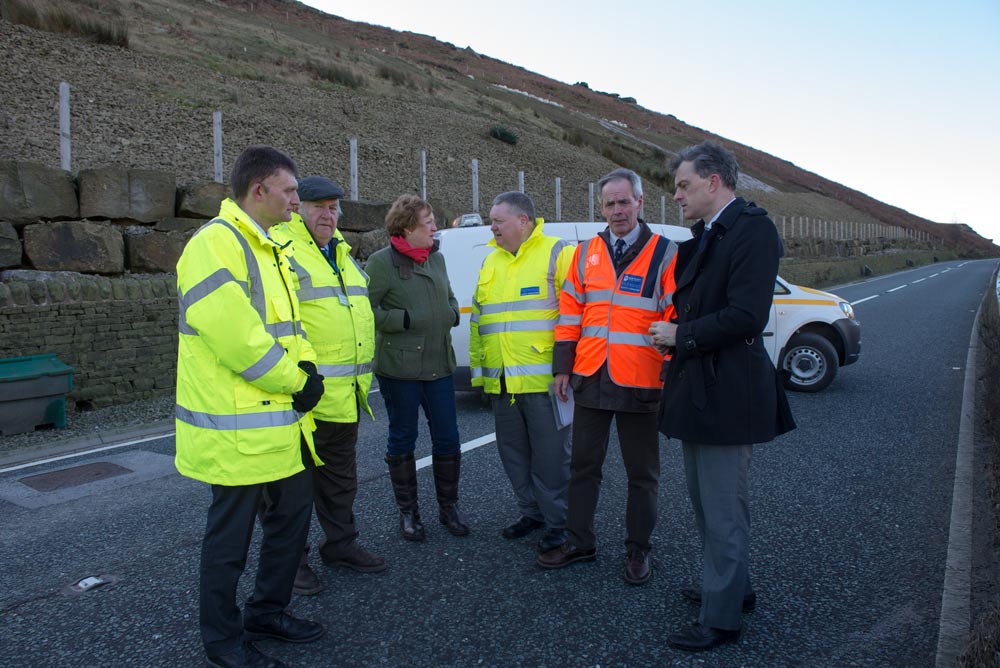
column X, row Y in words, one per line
column 338, row 320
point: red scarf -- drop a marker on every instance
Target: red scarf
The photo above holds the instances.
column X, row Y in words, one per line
column 418, row 255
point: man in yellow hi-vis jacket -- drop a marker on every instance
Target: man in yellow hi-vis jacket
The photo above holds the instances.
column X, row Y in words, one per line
column 246, row 381
column 514, row 311
column 337, row 316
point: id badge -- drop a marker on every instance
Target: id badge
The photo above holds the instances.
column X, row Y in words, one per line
column 344, row 301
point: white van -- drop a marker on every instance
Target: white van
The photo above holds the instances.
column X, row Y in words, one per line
column 811, row 332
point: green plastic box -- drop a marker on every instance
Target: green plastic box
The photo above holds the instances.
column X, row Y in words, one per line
column 33, row 393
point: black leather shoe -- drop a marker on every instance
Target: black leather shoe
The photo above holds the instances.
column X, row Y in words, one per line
column 247, row 656
column 564, row 555
column 552, row 539
column 284, row 627
column 354, row 557
column 521, row 528
column 698, row 638
column 694, row 595
column 637, row 567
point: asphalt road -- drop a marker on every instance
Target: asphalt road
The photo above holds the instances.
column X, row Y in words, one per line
column 851, row 520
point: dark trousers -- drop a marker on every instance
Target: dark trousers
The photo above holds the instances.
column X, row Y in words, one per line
column 335, row 485
column 285, row 507
column 404, row 398
column 718, row 480
column 640, row 446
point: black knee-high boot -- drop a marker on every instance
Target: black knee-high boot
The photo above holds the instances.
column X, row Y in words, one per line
column 446, row 474
column 403, row 473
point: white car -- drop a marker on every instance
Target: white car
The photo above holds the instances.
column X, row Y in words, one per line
column 810, row 333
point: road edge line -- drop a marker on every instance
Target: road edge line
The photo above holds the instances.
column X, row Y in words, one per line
column 954, row 624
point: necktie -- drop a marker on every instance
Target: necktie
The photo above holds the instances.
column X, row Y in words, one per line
column 703, row 239
column 619, row 249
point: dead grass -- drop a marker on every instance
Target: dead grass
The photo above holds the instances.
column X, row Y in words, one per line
column 111, row 31
column 825, row 272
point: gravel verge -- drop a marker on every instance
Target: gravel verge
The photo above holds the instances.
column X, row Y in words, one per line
column 103, row 423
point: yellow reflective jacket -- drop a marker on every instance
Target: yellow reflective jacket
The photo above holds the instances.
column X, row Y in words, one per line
column 237, row 361
column 514, row 311
column 337, row 318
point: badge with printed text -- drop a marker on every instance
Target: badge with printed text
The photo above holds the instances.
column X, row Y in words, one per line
column 631, row 283
column 533, row 290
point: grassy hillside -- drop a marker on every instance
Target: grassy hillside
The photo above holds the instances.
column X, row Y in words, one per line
column 286, row 74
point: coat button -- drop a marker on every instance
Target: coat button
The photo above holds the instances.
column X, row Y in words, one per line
column 687, row 308
column 680, row 374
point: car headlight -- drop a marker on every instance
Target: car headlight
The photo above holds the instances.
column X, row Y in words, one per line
column 847, row 309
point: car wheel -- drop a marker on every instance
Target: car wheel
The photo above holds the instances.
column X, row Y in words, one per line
column 810, row 361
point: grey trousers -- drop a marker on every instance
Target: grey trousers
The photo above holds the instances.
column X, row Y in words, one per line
column 719, row 484
column 535, row 455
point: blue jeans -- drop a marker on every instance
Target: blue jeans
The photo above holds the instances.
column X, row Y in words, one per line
column 437, row 398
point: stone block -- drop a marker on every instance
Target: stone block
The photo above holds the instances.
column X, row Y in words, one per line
column 90, row 248
column 187, row 226
column 143, row 195
column 154, row 252
column 201, row 200
column 19, row 292
column 361, row 216
column 352, row 239
column 369, row 242
column 10, row 246
column 29, row 191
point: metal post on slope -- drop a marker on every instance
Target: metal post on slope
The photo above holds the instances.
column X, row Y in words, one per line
column 558, row 199
column 217, row 170
column 475, row 186
column 590, row 200
column 520, row 181
column 423, row 174
column 65, row 148
column 354, row 168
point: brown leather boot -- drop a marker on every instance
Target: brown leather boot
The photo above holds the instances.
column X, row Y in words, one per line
column 306, row 581
column 403, row 474
column 446, row 474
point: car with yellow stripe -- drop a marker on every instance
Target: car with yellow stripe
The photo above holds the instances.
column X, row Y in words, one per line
column 810, row 334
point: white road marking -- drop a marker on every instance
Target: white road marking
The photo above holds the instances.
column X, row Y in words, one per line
column 114, row 446
column 933, row 275
column 899, row 288
column 943, row 271
column 424, row 462
column 863, row 300
column 919, row 279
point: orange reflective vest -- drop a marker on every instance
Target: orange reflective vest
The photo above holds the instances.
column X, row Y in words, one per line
column 609, row 316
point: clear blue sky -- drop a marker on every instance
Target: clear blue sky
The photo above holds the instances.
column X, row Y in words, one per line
column 899, row 100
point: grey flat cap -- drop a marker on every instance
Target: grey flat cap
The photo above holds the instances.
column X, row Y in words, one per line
column 316, row 188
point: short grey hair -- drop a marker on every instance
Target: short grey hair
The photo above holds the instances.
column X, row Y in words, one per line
column 518, row 202
column 709, row 158
column 617, row 175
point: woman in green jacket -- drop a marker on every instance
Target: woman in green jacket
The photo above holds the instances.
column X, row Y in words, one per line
column 415, row 310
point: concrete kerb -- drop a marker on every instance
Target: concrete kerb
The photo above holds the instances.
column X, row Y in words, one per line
column 27, row 457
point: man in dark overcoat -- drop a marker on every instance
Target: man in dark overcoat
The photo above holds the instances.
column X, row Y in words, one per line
column 721, row 392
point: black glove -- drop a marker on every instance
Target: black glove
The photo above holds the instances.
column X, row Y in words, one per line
column 306, row 399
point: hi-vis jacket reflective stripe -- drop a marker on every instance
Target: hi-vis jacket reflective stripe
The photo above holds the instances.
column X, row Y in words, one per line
column 237, row 361
column 514, row 311
column 338, row 320
column 609, row 316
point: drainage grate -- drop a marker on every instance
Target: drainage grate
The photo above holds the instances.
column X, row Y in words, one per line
column 74, row 476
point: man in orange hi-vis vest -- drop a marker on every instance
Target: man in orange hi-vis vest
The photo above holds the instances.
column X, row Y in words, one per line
column 620, row 282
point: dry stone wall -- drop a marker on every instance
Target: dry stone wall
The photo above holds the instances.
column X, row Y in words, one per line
column 118, row 333
column 88, row 271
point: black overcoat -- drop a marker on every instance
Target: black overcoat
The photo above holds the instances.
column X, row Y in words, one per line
column 720, row 387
